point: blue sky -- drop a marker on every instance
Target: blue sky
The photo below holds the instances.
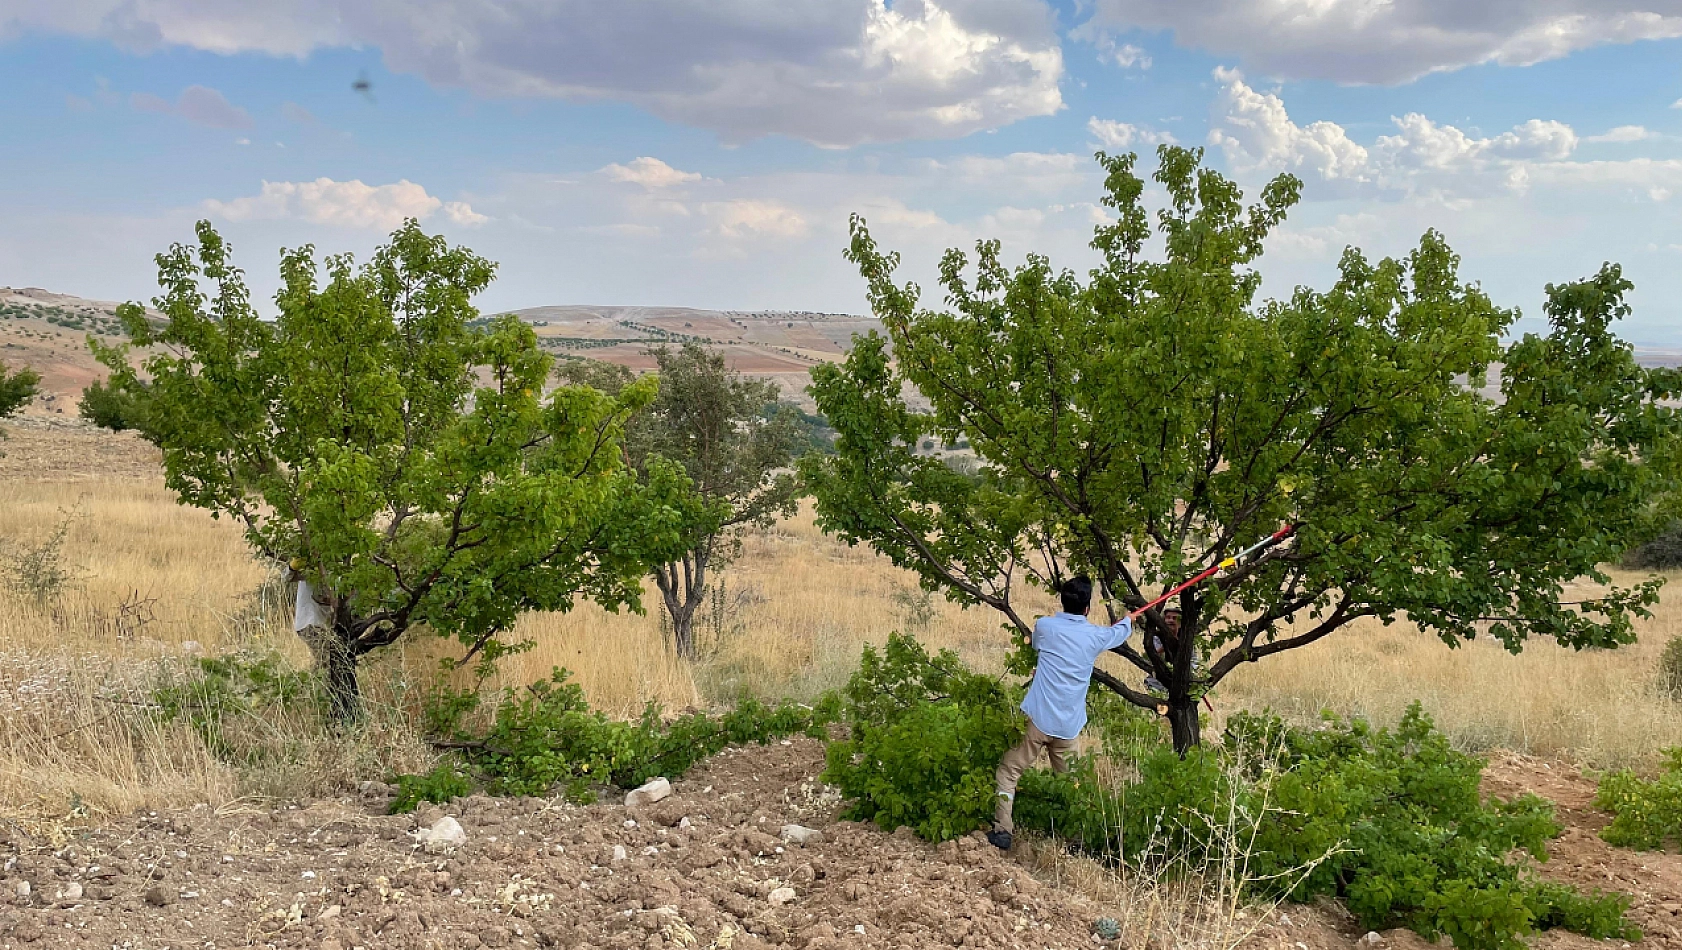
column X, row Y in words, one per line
column 708, row 153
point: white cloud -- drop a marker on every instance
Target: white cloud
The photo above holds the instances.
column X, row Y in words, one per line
column 463, row 214
column 831, row 72
column 1677, row 104
column 650, row 173
column 749, row 217
column 1439, row 163
column 1255, row 132
column 1120, row 136
column 1624, row 133
column 200, row 104
column 347, row 204
column 1110, row 49
column 1390, row 41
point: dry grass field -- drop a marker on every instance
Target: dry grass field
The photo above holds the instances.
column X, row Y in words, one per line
column 150, row 583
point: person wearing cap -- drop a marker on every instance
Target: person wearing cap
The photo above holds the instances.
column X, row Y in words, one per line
column 1069, row 646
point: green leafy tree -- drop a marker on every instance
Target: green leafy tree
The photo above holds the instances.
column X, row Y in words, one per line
column 1154, row 419
column 408, row 465
column 715, row 424
column 114, row 408
column 17, row 389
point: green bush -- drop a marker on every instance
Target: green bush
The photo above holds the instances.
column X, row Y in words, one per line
column 1660, row 554
column 1389, row 821
column 1647, row 814
column 926, row 736
column 548, row 739
column 445, row 782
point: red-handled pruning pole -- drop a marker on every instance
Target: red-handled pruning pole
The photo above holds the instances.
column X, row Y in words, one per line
column 1268, row 541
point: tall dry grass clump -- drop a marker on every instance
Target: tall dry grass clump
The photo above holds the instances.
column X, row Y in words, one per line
column 1599, row 708
column 109, row 591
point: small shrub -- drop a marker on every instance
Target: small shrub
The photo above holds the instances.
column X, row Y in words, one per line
column 926, row 737
column 220, row 690
column 548, row 739
column 41, row 572
column 1670, row 669
column 444, row 783
column 1647, row 814
column 916, row 605
column 1663, row 553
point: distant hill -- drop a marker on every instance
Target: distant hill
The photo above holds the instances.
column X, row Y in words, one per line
column 780, row 345
column 48, row 331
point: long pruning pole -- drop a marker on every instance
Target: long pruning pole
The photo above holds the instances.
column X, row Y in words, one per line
column 1268, row 541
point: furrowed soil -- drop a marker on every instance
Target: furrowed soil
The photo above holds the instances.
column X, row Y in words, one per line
column 702, row 869
column 699, row 869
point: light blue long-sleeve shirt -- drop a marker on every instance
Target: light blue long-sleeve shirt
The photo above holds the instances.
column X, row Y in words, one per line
column 1068, row 646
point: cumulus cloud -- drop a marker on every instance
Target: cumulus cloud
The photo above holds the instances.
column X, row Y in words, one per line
column 1255, row 132
column 200, row 104
column 831, row 72
column 347, row 204
column 1392, row 41
column 1624, row 133
column 1120, row 136
column 1424, row 158
column 650, row 173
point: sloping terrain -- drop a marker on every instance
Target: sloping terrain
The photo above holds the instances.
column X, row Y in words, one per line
column 705, row 868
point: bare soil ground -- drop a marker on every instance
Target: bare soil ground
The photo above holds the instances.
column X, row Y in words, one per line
column 697, row 870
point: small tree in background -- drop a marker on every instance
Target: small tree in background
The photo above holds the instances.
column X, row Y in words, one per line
column 1151, row 421
column 114, row 408
column 732, row 436
column 408, row 464
column 17, row 389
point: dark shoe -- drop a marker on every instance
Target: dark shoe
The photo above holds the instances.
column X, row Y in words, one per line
column 999, row 839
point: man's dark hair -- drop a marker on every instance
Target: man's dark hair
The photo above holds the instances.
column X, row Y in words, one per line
column 1076, row 593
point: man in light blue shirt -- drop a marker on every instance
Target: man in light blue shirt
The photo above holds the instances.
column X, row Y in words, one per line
column 1068, row 646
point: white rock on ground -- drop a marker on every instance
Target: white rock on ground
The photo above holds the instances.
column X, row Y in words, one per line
column 781, row 896
column 446, row 834
column 619, row 852
column 648, row 794
column 801, row 835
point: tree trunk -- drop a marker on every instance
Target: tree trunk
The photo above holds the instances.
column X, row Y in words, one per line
column 1183, row 720
column 683, row 585
column 344, row 693
column 683, row 629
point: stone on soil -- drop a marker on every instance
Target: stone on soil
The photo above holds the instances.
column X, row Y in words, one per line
column 801, row 835
column 649, row 793
column 446, row 834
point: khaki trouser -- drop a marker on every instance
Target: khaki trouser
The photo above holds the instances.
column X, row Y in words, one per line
column 1016, row 761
